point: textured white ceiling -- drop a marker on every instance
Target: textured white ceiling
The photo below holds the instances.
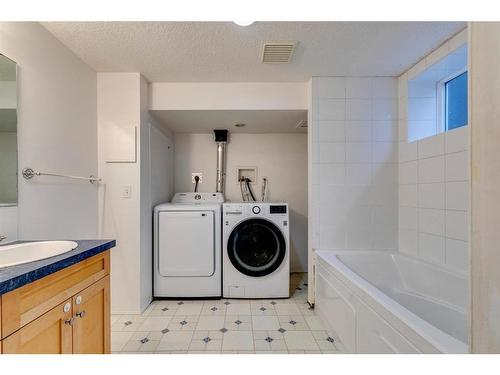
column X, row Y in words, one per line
column 223, row 51
column 278, row 121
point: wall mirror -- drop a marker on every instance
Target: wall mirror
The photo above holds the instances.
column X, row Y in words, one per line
column 8, row 132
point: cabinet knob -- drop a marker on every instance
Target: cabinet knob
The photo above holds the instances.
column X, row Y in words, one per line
column 67, row 307
column 78, row 300
column 81, row 314
column 69, row 322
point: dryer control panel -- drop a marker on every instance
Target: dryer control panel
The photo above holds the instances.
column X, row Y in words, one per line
column 198, row 198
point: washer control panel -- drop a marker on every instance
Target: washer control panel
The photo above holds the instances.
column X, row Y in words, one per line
column 277, row 209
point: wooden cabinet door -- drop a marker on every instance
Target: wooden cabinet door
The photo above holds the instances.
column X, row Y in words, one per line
column 91, row 327
column 51, row 333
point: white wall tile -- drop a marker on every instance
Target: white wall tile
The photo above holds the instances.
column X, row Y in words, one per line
column 457, row 140
column 432, row 146
column 331, row 131
column 431, row 221
column 421, row 109
column 408, row 218
column 457, row 196
column 431, row 195
column 358, row 152
column 331, row 88
column 384, row 109
column 402, row 109
column 385, row 174
column 356, row 204
column 403, row 85
column 358, row 238
column 358, row 131
column 385, row 152
column 358, row 174
column 408, row 195
column 457, row 254
column 456, row 225
column 315, row 173
column 358, row 109
column 383, row 194
column 402, row 131
column 408, row 151
column 421, row 89
column 358, row 87
column 333, row 152
column 385, row 131
column 386, row 239
column 332, row 174
column 457, row 166
column 408, row 241
column 408, row 172
column 421, row 129
column 332, row 238
column 331, row 109
column 384, row 88
column 431, row 169
column 431, row 247
column 440, row 163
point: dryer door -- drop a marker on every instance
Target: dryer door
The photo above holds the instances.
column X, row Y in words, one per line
column 186, row 243
column 256, row 247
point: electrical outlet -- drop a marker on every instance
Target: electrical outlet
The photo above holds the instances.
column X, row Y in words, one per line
column 126, row 191
column 199, row 174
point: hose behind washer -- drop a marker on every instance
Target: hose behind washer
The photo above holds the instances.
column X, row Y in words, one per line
column 247, row 180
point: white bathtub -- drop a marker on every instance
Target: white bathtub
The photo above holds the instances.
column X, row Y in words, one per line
column 386, row 302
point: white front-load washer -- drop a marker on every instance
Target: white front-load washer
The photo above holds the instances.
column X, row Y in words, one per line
column 256, row 255
column 187, row 246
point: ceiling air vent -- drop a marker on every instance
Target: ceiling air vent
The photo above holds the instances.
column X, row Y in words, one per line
column 277, row 52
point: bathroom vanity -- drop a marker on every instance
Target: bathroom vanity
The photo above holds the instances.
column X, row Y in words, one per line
column 59, row 304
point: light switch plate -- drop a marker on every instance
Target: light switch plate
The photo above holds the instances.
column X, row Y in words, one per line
column 127, row 191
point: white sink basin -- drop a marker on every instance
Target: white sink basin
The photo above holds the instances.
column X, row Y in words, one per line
column 20, row 253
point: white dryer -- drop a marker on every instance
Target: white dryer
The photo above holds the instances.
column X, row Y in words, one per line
column 256, row 255
column 187, row 246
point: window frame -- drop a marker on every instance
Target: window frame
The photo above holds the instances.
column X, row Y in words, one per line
column 441, row 100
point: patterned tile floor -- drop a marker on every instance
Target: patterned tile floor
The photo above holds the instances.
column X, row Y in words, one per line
column 226, row 326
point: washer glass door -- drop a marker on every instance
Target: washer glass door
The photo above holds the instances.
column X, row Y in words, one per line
column 256, row 247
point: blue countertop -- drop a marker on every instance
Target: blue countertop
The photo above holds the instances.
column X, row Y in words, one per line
column 16, row 276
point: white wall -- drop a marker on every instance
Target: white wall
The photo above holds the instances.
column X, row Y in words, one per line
column 433, row 181
column 228, row 95
column 156, row 180
column 484, row 114
column 56, row 132
column 353, row 180
column 162, row 165
column 282, row 158
column 118, row 104
column 123, row 102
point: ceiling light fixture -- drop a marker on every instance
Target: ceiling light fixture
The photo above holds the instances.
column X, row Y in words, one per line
column 239, row 125
column 243, row 23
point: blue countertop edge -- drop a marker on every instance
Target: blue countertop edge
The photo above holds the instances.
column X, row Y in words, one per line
column 17, row 276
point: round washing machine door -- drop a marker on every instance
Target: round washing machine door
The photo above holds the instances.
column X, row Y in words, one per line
column 256, row 247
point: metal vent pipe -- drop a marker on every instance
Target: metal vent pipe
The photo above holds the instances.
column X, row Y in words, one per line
column 221, row 140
